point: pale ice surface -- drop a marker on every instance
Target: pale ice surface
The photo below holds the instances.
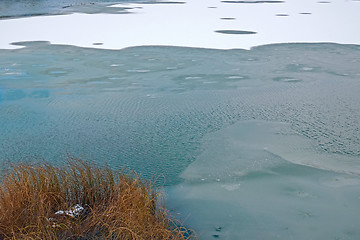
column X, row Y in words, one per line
column 242, row 187
column 250, row 146
column 192, row 23
column 284, row 202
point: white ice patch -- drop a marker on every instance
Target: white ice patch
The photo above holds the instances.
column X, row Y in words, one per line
column 72, row 212
column 168, row 26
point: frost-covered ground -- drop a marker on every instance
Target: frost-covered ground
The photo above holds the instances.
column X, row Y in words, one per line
column 253, row 144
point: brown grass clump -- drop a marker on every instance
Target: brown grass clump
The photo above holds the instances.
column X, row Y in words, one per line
column 115, row 205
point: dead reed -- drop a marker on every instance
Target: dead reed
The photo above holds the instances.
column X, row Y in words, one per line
column 81, row 201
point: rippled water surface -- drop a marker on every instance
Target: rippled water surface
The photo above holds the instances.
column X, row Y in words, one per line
column 29, row 8
column 258, row 144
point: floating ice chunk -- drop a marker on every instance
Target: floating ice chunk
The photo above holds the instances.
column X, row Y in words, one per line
column 208, row 82
column 171, row 68
column 138, row 70
column 190, row 78
column 13, row 73
column 231, row 187
column 287, row 79
column 307, row 68
column 235, row 77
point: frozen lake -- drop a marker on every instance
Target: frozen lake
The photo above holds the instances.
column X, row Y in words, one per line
column 260, row 143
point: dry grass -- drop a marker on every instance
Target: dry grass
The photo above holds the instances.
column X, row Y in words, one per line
column 116, row 205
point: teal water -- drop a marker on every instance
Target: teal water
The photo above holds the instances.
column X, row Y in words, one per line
column 29, row 8
column 257, row 144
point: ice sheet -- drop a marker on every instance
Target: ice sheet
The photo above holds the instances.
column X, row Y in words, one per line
column 194, row 24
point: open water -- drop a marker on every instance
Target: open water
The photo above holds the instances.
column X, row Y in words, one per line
column 28, row 8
